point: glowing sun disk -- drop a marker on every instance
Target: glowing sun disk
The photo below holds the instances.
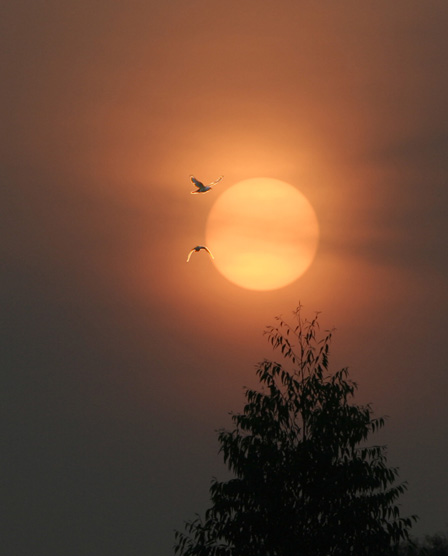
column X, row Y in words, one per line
column 263, row 233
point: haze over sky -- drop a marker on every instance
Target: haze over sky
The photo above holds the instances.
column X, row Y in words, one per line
column 119, row 360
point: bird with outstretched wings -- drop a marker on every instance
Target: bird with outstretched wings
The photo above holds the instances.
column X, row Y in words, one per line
column 197, row 249
column 201, row 188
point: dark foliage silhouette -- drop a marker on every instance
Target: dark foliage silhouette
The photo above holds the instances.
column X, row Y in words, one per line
column 305, row 481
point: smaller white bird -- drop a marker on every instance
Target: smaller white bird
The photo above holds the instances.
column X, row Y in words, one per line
column 201, row 188
column 198, row 248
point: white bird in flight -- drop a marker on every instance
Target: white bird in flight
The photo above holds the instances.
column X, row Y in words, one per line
column 198, row 248
column 201, row 188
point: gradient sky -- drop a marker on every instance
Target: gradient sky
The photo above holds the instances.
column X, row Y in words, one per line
column 119, row 360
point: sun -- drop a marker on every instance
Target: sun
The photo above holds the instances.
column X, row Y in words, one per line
column 263, row 233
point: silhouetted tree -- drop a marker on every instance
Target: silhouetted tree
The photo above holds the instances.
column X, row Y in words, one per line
column 306, row 484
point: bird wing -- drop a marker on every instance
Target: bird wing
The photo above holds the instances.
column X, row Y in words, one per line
column 196, row 182
column 190, row 253
column 216, row 181
column 208, row 251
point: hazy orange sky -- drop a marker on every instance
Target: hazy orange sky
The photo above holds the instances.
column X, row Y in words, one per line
column 119, row 360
